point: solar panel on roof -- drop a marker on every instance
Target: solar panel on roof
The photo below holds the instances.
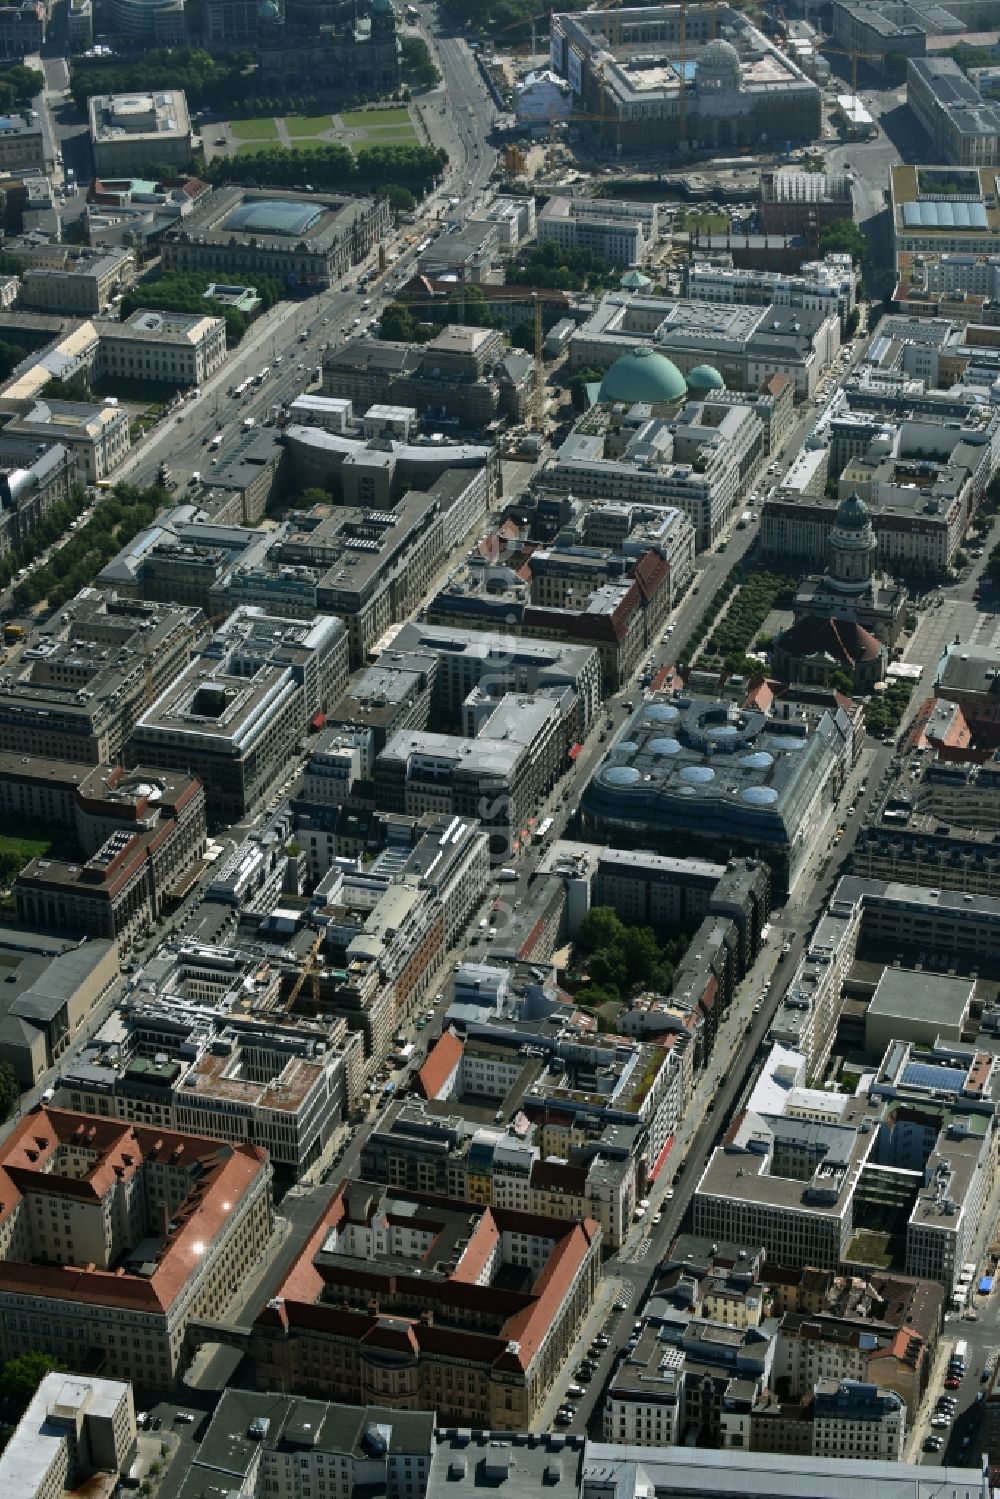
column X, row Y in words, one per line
column 925, row 1075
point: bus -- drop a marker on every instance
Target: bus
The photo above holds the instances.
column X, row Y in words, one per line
column 241, row 389
column 543, row 830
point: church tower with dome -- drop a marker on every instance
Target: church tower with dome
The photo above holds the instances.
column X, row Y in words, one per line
column 350, row 45
column 847, row 619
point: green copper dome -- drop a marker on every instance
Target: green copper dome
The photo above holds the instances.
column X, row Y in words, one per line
column 643, row 375
column 852, row 514
column 705, row 377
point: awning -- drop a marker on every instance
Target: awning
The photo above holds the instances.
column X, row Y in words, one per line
column 661, row 1159
column 575, row 750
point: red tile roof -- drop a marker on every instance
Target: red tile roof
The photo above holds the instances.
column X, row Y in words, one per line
column 441, row 1062
column 227, row 1172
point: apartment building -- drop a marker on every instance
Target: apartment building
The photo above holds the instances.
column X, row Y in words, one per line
column 114, row 1237
column 22, row 142
column 169, row 348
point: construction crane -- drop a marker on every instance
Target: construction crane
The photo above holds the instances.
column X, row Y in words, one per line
column 855, row 57
column 308, row 967
column 527, row 294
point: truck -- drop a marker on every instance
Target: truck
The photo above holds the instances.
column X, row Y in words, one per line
column 248, row 422
column 215, row 443
column 403, row 1053
column 12, row 633
column 507, row 874
column 961, row 1350
column 744, row 520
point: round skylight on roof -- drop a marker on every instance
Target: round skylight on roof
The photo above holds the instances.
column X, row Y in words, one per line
column 758, row 760
column 698, row 775
column 626, row 747
column 787, row 742
column 759, row 796
column 664, row 746
column 662, row 713
column 721, row 731
column 621, row 775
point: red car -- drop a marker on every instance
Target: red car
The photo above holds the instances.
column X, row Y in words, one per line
column 952, row 1383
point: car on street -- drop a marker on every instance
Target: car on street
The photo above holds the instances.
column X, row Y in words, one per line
column 933, row 1443
column 952, row 1382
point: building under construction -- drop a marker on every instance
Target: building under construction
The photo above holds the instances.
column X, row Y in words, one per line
column 682, row 77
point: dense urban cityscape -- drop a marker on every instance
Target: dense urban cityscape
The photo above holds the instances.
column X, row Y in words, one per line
column 499, row 749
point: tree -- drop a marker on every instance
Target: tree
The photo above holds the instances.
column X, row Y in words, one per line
column 400, row 199
column 417, row 64
column 21, row 1376
column 960, row 560
column 9, row 1090
column 73, row 389
column 601, row 927
column 578, row 386
column 842, row 237
column 312, row 496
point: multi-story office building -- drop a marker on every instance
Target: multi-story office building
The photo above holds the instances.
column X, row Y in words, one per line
column 853, row 1421
column 64, row 278
column 489, row 1364
column 54, row 987
column 79, row 686
column 141, row 834
column 187, row 1051
column 373, row 566
column 621, row 233
column 721, row 778
column 77, row 1432
column 964, row 128
column 97, row 437
column 32, row 477
column 170, row 348
column 746, row 345
column 23, row 143
column 235, row 712
column 129, row 132
column 113, row 1237
column 820, row 285
column 293, row 1448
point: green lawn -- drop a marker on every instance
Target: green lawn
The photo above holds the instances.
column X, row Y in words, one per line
column 308, row 124
column 16, row 852
column 387, row 138
column 254, row 130
column 365, row 118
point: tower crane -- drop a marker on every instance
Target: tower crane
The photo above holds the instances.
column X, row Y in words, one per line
column 308, row 967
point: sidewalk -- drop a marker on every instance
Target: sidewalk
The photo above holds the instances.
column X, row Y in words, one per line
column 922, row 1425
column 591, row 1325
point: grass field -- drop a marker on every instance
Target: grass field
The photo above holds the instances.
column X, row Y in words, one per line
column 387, row 138
column 254, row 130
column 367, row 119
column 308, row 124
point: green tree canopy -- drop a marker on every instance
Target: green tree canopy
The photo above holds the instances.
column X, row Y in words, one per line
column 21, row 1376
column 842, row 237
column 9, row 1090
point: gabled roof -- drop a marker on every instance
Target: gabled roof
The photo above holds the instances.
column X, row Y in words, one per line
column 841, row 640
